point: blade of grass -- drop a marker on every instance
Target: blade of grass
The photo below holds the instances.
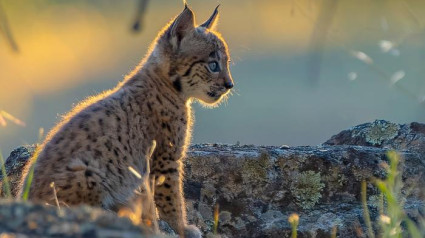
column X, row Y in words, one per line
column 28, row 184
column 413, row 229
column 366, row 214
column 30, row 175
column 6, row 184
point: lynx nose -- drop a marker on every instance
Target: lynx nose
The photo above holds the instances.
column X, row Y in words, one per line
column 228, row 84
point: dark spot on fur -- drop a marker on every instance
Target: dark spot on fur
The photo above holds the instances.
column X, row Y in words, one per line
column 177, row 84
column 190, row 67
column 97, row 153
column 88, row 173
column 108, row 145
column 159, row 99
column 66, row 187
column 58, row 140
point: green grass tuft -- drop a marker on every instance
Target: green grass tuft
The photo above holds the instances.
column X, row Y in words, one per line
column 6, row 183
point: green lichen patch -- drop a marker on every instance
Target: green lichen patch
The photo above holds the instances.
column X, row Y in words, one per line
column 379, row 131
column 306, row 189
column 256, row 169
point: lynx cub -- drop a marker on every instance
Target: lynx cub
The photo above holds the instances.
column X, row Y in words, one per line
column 88, row 154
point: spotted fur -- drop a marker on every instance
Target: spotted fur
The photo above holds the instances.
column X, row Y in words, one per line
column 87, row 155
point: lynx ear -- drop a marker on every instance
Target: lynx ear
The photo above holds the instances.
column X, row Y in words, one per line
column 211, row 23
column 184, row 23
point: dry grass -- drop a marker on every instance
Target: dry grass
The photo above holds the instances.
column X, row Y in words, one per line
column 294, row 219
column 141, row 212
column 5, row 115
column 393, row 218
column 143, row 209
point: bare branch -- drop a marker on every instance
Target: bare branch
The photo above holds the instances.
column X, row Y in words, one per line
column 141, row 10
column 6, row 31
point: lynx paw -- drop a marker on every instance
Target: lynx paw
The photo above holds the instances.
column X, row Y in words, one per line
column 192, row 231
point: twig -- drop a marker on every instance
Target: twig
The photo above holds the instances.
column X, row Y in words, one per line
column 5, row 29
column 318, row 38
column 384, row 75
column 141, row 10
column 52, row 185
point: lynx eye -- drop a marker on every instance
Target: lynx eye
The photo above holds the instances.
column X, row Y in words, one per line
column 213, row 66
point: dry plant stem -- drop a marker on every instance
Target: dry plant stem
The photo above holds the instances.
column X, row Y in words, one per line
column 54, row 194
column 366, row 211
column 5, row 29
column 294, row 232
column 294, row 221
column 382, row 73
column 149, row 189
column 216, row 217
column 334, row 230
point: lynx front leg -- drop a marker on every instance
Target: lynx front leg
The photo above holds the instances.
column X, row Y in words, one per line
column 169, row 197
column 168, row 194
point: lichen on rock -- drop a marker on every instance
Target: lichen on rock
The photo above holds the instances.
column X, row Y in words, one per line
column 256, row 169
column 307, row 188
column 380, row 131
column 258, row 187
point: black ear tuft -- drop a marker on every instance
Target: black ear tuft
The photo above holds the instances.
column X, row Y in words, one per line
column 211, row 23
column 184, row 23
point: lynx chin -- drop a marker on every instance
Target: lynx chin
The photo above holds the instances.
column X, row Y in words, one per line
column 88, row 154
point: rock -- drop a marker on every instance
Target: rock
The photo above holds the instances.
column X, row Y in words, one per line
column 383, row 134
column 14, row 165
column 258, row 187
column 30, row 220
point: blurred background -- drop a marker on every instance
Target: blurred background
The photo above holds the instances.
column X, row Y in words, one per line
column 304, row 69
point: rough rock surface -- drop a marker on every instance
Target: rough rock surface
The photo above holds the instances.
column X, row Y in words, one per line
column 258, row 187
column 384, row 134
column 28, row 220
